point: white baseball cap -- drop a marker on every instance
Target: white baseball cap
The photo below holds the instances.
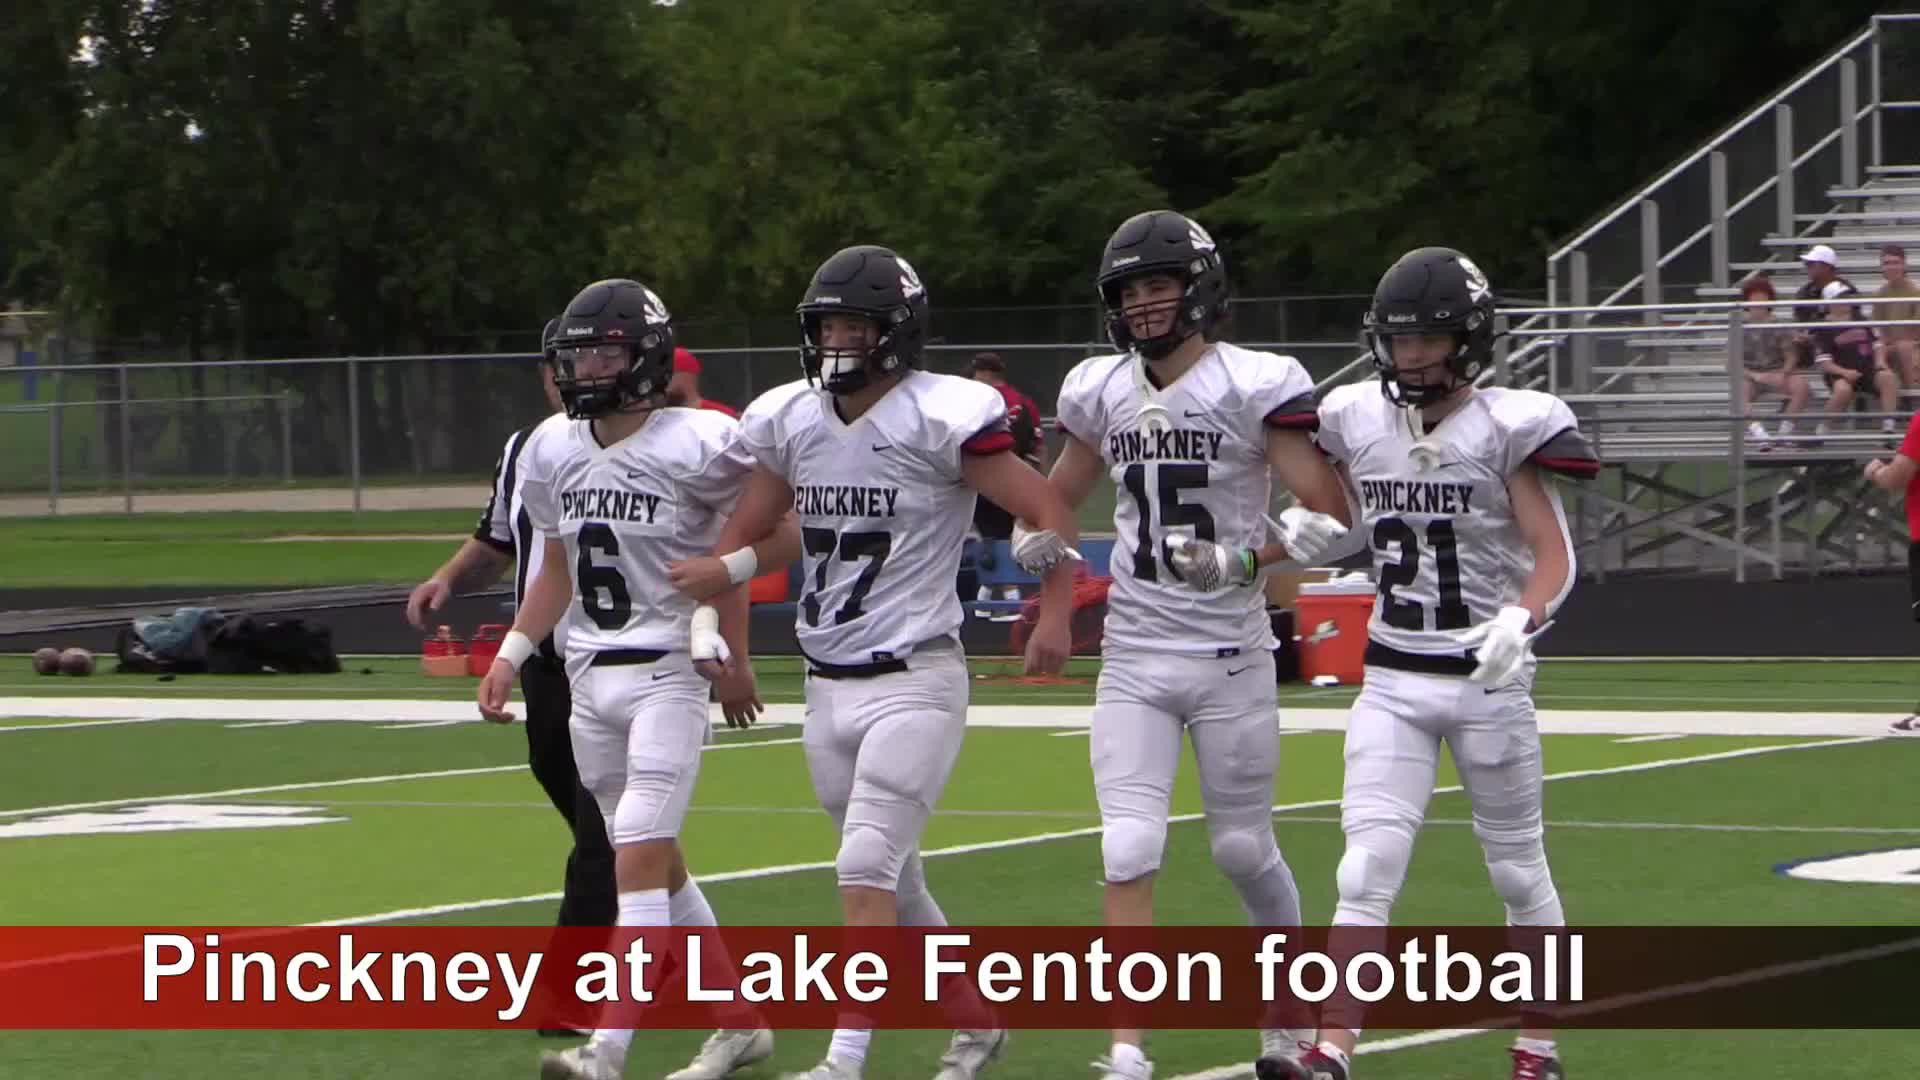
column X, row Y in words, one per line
column 1819, row 253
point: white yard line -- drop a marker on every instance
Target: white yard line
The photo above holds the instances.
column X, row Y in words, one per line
column 312, row 785
column 1068, row 834
column 263, row 723
column 1655, row 826
column 65, row 724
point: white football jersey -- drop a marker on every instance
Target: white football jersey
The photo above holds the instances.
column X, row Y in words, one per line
column 882, row 505
column 625, row 511
column 1207, row 476
column 1446, row 548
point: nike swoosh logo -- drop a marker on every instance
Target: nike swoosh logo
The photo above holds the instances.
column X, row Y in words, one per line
column 632, row 475
column 1190, row 414
column 1231, row 672
column 658, row 675
column 878, row 448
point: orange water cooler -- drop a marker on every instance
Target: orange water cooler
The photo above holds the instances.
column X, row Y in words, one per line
column 1330, row 618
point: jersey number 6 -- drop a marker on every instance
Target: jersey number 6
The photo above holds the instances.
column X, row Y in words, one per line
column 593, row 580
column 1170, row 479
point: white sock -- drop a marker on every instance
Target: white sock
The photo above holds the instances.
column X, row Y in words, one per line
column 1537, row 1047
column 1127, row 1056
column 639, row 908
column 849, row 1046
column 689, row 907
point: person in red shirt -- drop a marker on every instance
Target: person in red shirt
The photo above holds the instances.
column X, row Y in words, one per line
column 684, row 388
column 1901, row 473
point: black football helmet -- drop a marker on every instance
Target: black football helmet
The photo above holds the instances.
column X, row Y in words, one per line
column 1163, row 242
column 874, row 282
column 1431, row 290
column 619, row 314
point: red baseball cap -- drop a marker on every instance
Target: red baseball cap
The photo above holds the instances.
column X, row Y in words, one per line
column 685, row 361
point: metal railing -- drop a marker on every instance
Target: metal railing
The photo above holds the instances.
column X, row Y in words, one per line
column 1796, row 147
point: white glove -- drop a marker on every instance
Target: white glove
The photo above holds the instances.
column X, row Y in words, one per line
column 706, row 643
column 1308, row 535
column 1040, row 551
column 1503, row 645
column 1205, row 566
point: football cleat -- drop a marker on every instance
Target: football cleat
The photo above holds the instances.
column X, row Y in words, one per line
column 1312, row 1064
column 589, row 1062
column 1531, row 1066
column 727, row 1050
column 969, row 1052
column 1282, row 1058
column 1112, row 1070
column 1906, row 725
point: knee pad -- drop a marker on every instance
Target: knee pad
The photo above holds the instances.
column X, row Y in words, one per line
column 1526, row 887
column 1244, row 852
column 1369, row 877
column 650, row 807
column 1130, row 848
column 867, row 859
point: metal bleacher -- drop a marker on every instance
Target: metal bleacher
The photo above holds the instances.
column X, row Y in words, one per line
column 1642, row 336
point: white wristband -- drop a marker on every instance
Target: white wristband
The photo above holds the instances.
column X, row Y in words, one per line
column 741, row 564
column 515, row 648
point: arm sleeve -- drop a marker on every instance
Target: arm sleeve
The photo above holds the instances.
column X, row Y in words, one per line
column 1550, row 437
column 1077, row 411
column 536, row 493
column 1282, row 395
column 723, row 473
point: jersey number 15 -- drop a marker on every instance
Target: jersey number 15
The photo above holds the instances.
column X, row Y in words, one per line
column 1169, row 480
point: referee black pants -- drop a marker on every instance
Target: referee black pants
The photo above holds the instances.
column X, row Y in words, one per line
column 589, row 898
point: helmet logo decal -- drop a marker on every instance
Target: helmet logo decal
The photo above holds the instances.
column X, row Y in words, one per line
column 910, row 286
column 656, row 312
column 1198, row 237
column 1477, row 287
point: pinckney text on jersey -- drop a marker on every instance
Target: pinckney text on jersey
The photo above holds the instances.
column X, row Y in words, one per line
column 609, row 504
column 1417, row 496
column 1178, row 444
column 844, row 500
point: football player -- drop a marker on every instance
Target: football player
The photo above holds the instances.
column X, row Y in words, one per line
column 881, row 461
column 1472, row 552
column 1191, row 430
column 618, row 487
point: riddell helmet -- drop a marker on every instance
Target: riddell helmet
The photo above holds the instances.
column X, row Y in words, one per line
column 878, row 284
column 1431, row 290
column 616, row 313
column 1163, row 242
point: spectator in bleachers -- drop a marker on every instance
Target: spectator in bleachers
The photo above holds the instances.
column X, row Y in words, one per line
column 1899, row 345
column 684, row 388
column 1771, row 368
column 1823, row 283
column 1849, row 357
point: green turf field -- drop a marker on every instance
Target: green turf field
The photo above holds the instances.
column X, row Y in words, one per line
column 253, row 547
column 95, row 551
column 1881, row 686
column 432, row 821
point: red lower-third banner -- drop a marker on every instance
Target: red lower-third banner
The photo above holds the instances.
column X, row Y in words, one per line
column 1007, row 976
